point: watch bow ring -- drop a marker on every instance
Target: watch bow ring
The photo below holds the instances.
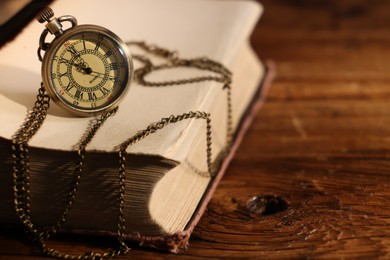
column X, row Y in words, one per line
column 86, row 69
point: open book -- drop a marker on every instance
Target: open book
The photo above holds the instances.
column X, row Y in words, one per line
column 165, row 194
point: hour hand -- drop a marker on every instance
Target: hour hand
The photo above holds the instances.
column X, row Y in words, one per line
column 83, row 67
column 87, row 70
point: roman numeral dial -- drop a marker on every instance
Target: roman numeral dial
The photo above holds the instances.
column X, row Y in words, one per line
column 90, row 71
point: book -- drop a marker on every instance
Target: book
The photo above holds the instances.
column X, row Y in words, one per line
column 165, row 194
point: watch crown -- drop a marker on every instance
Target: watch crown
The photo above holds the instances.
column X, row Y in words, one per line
column 45, row 15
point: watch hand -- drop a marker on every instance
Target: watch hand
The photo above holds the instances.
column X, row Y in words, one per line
column 97, row 72
column 87, row 70
column 74, row 52
column 82, row 66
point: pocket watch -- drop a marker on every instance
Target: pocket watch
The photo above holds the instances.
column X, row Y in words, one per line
column 86, row 69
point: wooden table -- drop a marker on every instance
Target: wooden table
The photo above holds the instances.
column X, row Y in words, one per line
column 319, row 147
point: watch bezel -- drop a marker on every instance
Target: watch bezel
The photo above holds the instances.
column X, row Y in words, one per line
column 48, row 61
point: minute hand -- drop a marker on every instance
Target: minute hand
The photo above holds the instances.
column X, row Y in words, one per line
column 97, row 73
column 112, row 78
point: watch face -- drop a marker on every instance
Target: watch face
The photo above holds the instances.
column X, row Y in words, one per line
column 87, row 70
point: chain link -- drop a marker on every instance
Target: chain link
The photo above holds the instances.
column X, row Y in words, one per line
column 35, row 119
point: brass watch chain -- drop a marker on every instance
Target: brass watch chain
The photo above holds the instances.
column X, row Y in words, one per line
column 36, row 117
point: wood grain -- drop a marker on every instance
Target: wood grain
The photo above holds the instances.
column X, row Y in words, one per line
column 320, row 144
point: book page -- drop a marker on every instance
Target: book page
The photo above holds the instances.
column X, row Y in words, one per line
column 215, row 29
column 182, row 188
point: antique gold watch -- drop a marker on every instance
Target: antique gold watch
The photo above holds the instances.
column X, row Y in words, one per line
column 86, row 69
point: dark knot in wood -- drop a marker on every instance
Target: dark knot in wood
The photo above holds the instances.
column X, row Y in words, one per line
column 266, row 204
